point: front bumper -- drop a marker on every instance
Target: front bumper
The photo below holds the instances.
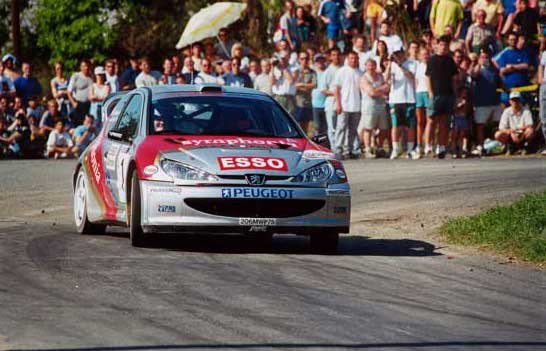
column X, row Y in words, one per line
column 167, row 207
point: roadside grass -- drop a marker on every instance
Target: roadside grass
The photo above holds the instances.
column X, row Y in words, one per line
column 518, row 229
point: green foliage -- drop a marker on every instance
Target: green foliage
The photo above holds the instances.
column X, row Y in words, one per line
column 518, row 229
column 72, row 30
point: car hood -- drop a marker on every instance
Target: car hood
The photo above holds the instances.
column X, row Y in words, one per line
column 228, row 155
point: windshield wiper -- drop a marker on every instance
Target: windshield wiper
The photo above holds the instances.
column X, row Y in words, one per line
column 176, row 132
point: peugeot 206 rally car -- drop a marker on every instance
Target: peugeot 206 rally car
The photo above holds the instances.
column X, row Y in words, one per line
column 209, row 159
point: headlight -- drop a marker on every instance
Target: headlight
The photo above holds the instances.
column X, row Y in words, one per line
column 181, row 171
column 317, row 174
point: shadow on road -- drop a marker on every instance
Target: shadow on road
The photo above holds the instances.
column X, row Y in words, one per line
column 297, row 346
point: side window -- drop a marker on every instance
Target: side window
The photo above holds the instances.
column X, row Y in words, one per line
column 129, row 120
column 114, row 111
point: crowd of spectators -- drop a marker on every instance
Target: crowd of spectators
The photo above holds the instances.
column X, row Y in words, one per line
column 464, row 85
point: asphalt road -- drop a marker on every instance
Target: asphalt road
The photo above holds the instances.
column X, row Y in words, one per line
column 391, row 287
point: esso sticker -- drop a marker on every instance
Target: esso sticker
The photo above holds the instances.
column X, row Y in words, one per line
column 266, row 163
column 150, row 170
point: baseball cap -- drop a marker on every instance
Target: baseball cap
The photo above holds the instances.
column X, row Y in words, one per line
column 9, row 57
column 515, row 95
column 319, row 57
column 99, row 70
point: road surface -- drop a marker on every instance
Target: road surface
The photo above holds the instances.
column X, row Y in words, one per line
column 394, row 285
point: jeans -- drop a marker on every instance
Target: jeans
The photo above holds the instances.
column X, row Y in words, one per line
column 543, row 108
column 331, row 122
column 319, row 121
column 346, row 133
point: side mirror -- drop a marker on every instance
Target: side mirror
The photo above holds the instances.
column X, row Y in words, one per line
column 322, row 140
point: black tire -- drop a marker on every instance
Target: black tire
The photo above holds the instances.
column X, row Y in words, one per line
column 83, row 225
column 324, row 243
column 136, row 234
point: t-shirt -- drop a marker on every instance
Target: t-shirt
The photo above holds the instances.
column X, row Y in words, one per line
column 402, row 88
column 289, row 26
column 48, row 120
column 374, row 10
column 480, row 36
column 303, row 99
column 485, row 89
column 527, row 20
column 112, row 82
column 491, row 8
column 80, row 131
column 420, row 78
column 27, row 87
column 446, row 12
column 348, row 80
column 329, row 75
column 393, row 42
column 79, row 86
column 330, row 10
column 441, row 70
column 263, row 84
column 241, row 80
column 282, row 86
column 513, row 56
column 203, row 77
column 145, row 80
column 317, row 97
column 511, row 120
column 59, row 139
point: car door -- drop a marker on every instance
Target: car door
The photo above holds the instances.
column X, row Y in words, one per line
column 119, row 147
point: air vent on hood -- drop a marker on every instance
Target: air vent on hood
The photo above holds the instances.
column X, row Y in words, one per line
column 210, row 88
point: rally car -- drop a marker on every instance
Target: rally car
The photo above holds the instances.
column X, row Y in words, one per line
column 209, row 159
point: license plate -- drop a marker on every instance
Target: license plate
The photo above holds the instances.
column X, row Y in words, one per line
column 257, row 221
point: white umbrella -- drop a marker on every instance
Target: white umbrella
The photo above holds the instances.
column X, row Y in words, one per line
column 208, row 21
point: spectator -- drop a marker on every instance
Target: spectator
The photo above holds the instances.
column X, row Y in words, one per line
column 36, row 141
column 8, row 88
column 373, row 89
column 189, row 71
column 381, row 56
column 15, row 108
column 318, row 98
column 78, row 93
column 459, row 132
column 542, row 82
column 167, row 77
column 304, row 27
column 34, row 108
column 128, row 77
column 210, row 53
column 238, row 51
column 516, row 125
column 444, row 13
column 329, row 13
column 237, row 78
column 282, row 78
column 480, row 34
column 526, row 21
column 347, row 93
column 26, row 85
column 97, row 94
column 400, row 75
column 10, row 71
column 51, row 117
column 4, row 108
column 440, row 77
column 514, row 65
column 486, row 99
column 428, row 39
column 206, row 75
column 288, row 25
column 59, row 143
column 253, row 70
column 59, row 89
column 360, row 46
column 14, row 137
column 305, row 82
column 494, row 13
column 85, row 134
column 223, row 48
column 393, row 41
column 329, row 92
column 145, row 77
column 421, row 98
column 262, row 81
column 111, row 76
column 197, row 55
column 375, row 14
column 177, row 66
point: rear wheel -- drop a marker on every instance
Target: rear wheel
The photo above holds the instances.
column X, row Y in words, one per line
column 138, row 238
column 326, row 243
column 80, row 208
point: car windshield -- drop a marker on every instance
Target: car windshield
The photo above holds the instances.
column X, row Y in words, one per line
column 213, row 115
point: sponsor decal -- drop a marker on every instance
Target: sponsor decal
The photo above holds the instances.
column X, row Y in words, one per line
column 236, row 142
column 166, row 190
column 95, row 167
column 150, row 170
column 111, row 156
column 255, row 179
column 314, row 154
column 252, row 162
column 257, row 193
column 166, row 209
column 258, row 228
column 261, row 222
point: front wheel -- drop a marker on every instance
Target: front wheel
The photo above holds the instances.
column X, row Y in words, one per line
column 136, row 233
column 325, row 243
column 80, row 208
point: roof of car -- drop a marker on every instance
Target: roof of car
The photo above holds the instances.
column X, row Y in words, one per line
column 201, row 88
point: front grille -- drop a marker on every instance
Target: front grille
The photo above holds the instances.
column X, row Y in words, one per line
column 255, row 208
column 243, row 177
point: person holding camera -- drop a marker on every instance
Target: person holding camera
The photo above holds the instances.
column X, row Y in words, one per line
column 283, row 79
column 85, row 134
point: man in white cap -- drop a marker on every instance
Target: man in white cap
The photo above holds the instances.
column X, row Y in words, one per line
column 516, row 125
column 9, row 61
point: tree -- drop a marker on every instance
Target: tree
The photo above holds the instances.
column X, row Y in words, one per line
column 72, row 30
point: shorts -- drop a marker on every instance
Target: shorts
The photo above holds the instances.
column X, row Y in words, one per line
column 440, row 105
column 373, row 120
column 484, row 114
column 403, row 115
column 303, row 114
column 459, row 122
column 332, row 31
column 422, row 99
